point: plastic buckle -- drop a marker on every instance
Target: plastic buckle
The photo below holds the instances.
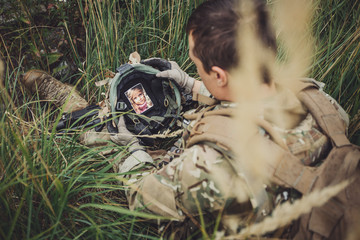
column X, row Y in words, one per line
column 124, row 68
column 121, row 106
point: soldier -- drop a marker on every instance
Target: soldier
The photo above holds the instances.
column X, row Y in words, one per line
column 202, row 176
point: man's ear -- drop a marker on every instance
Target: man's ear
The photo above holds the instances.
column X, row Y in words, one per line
column 221, row 76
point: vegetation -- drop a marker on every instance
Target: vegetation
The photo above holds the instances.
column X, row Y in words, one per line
column 51, row 187
column 337, row 31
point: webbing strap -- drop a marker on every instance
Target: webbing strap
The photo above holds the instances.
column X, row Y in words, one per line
column 289, row 170
column 325, row 114
column 208, row 111
column 124, row 68
column 204, row 99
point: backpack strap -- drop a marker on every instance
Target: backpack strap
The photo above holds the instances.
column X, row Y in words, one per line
column 325, row 114
column 289, row 171
column 204, row 99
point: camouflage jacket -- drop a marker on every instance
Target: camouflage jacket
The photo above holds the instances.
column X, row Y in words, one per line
column 202, row 179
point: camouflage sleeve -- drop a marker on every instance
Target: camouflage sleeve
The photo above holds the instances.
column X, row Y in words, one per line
column 306, row 141
column 200, row 179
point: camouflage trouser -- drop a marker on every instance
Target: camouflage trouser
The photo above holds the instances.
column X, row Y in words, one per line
column 50, row 89
column 62, row 95
column 198, row 181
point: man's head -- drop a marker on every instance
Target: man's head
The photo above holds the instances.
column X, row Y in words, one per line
column 212, row 30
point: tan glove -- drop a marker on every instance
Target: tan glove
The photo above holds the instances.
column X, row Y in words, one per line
column 182, row 78
column 138, row 155
column 121, row 135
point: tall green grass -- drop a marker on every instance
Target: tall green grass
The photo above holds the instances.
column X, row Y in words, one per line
column 337, row 57
column 51, row 187
column 117, row 28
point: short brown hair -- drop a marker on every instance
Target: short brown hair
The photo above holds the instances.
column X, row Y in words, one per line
column 213, row 26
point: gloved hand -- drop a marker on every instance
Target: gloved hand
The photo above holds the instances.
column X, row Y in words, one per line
column 158, row 63
column 123, row 137
column 182, row 78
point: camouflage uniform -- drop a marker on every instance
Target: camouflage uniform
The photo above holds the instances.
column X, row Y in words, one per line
column 203, row 179
column 48, row 88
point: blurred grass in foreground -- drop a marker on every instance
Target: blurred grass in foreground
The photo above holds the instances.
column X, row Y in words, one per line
column 51, row 187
